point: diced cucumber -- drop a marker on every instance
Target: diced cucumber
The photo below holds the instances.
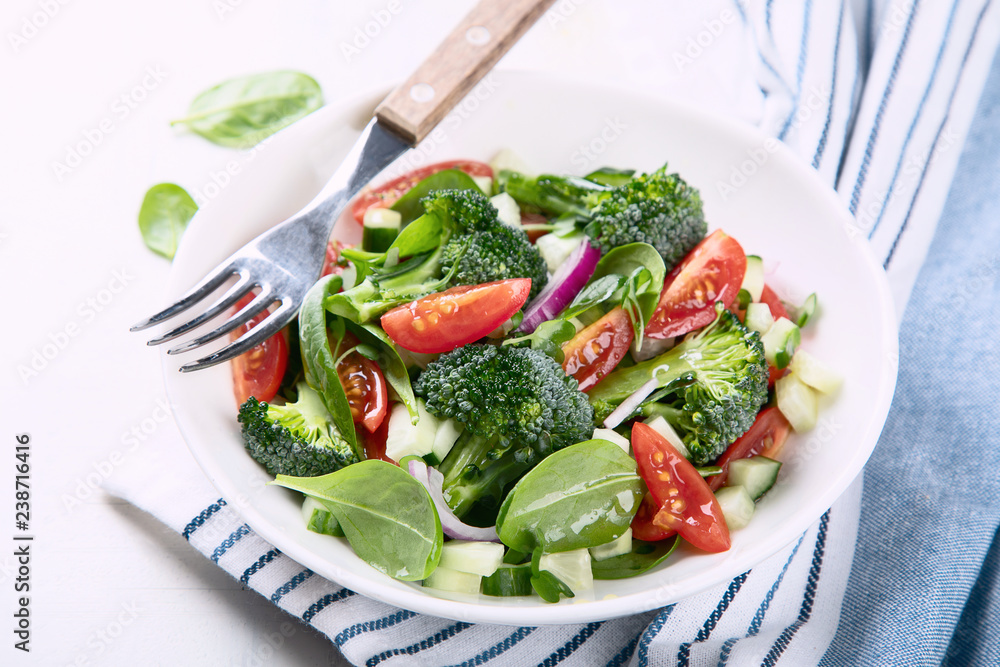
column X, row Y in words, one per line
column 759, row 317
column 405, row 438
column 623, row 545
column 806, row 312
column 319, row 519
column 555, row 249
column 612, row 436
column 737, row 506
column 780, row 342
column 753, row 279
column 797, row 401
column 507, row 210
column 508, row 580
column 756, row 474
column 815, row 373
column 444, row 439
column 445, row 579
column 381, row 227
column 511, row 161
column 571, row 567
column 484, row 183
column 663, row 427
column 482, row 558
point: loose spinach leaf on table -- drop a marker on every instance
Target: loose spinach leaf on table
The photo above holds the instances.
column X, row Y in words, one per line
column 242, row 112
column 165, row 212
column 580, row 496
column 387, row 516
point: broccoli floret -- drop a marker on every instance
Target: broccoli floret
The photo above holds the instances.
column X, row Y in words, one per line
column 517, row 406
column 660, row 209
column 714, row 384
column 297, row 438
column 461, row 242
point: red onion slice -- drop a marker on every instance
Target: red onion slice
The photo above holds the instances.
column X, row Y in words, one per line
column 452, row 526
column 564, row 285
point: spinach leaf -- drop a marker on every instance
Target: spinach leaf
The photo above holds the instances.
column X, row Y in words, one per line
column 419, row 237
column 594, row 293
column 165, row 212
column 641, row 272
column 580, row 496
column 319, row 361
column 244, row 111
column 387, row 516
column 409, row 205
column 389, row 361
column 549, row 337
column 548, row 586
column 644, row 557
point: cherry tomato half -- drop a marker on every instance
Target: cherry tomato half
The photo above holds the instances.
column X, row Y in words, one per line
column 364, row 384
column 686, row 504
column 460, row 315
column 389, row 193
column 596, row 350
column 767, row 434
column 375, row 443
column 642, row 522
column 258, row 372
column 712, row 272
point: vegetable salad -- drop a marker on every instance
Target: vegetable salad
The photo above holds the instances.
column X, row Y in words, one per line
column 519, row 384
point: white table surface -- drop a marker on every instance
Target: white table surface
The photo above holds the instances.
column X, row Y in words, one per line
column 109, row 584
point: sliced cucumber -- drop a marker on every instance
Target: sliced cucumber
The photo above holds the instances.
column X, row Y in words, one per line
column 806, row 312
column 484, row 183
column 444, row 439
column 319, row 519
column 663, row 427
column 445, row 579
column 482, row 558
column 507, row 210
column 756, row 474
column 571, row 567
column 506, row 159
column 753, row 279
column 797, row 401
column 508, row 580
column 737, row 506
column 623, row 545
column 381, row 227
column 815, row 373
column 406, row 438
column 759, row 317
column 612, row 436
column 555, row 249
column 780, row 342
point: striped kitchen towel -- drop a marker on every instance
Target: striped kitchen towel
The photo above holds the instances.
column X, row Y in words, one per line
column 880, row 98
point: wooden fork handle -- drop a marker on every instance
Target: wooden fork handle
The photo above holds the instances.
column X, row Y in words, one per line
column 465, row 56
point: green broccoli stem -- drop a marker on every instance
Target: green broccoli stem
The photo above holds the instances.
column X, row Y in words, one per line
column 471, row 476
column 552, row 194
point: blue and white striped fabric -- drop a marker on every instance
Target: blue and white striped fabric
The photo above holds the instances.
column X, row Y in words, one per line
column 879, row 97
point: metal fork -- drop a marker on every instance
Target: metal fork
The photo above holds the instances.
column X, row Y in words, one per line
column 284, row 262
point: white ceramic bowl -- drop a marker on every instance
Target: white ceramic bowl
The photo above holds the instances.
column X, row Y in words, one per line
column 776, row 207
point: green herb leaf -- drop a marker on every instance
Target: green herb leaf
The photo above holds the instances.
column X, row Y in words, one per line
column 165, row 212
column 549, row 337
column 242, row 112
column 580, row 496
column 387, row 516
column 595, row 292
column 320, row 361
column 644, row 557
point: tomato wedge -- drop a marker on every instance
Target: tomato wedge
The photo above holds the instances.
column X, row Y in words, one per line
column 374, row 443
column 330, row 264
column 460, row 315
column 712, row 272
column 777, row 308
column 686, row 504
column 389, row 193
column 642, row 522
column 364, row 384
column 767, row 436
column 258, row 372
column 596, row 350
